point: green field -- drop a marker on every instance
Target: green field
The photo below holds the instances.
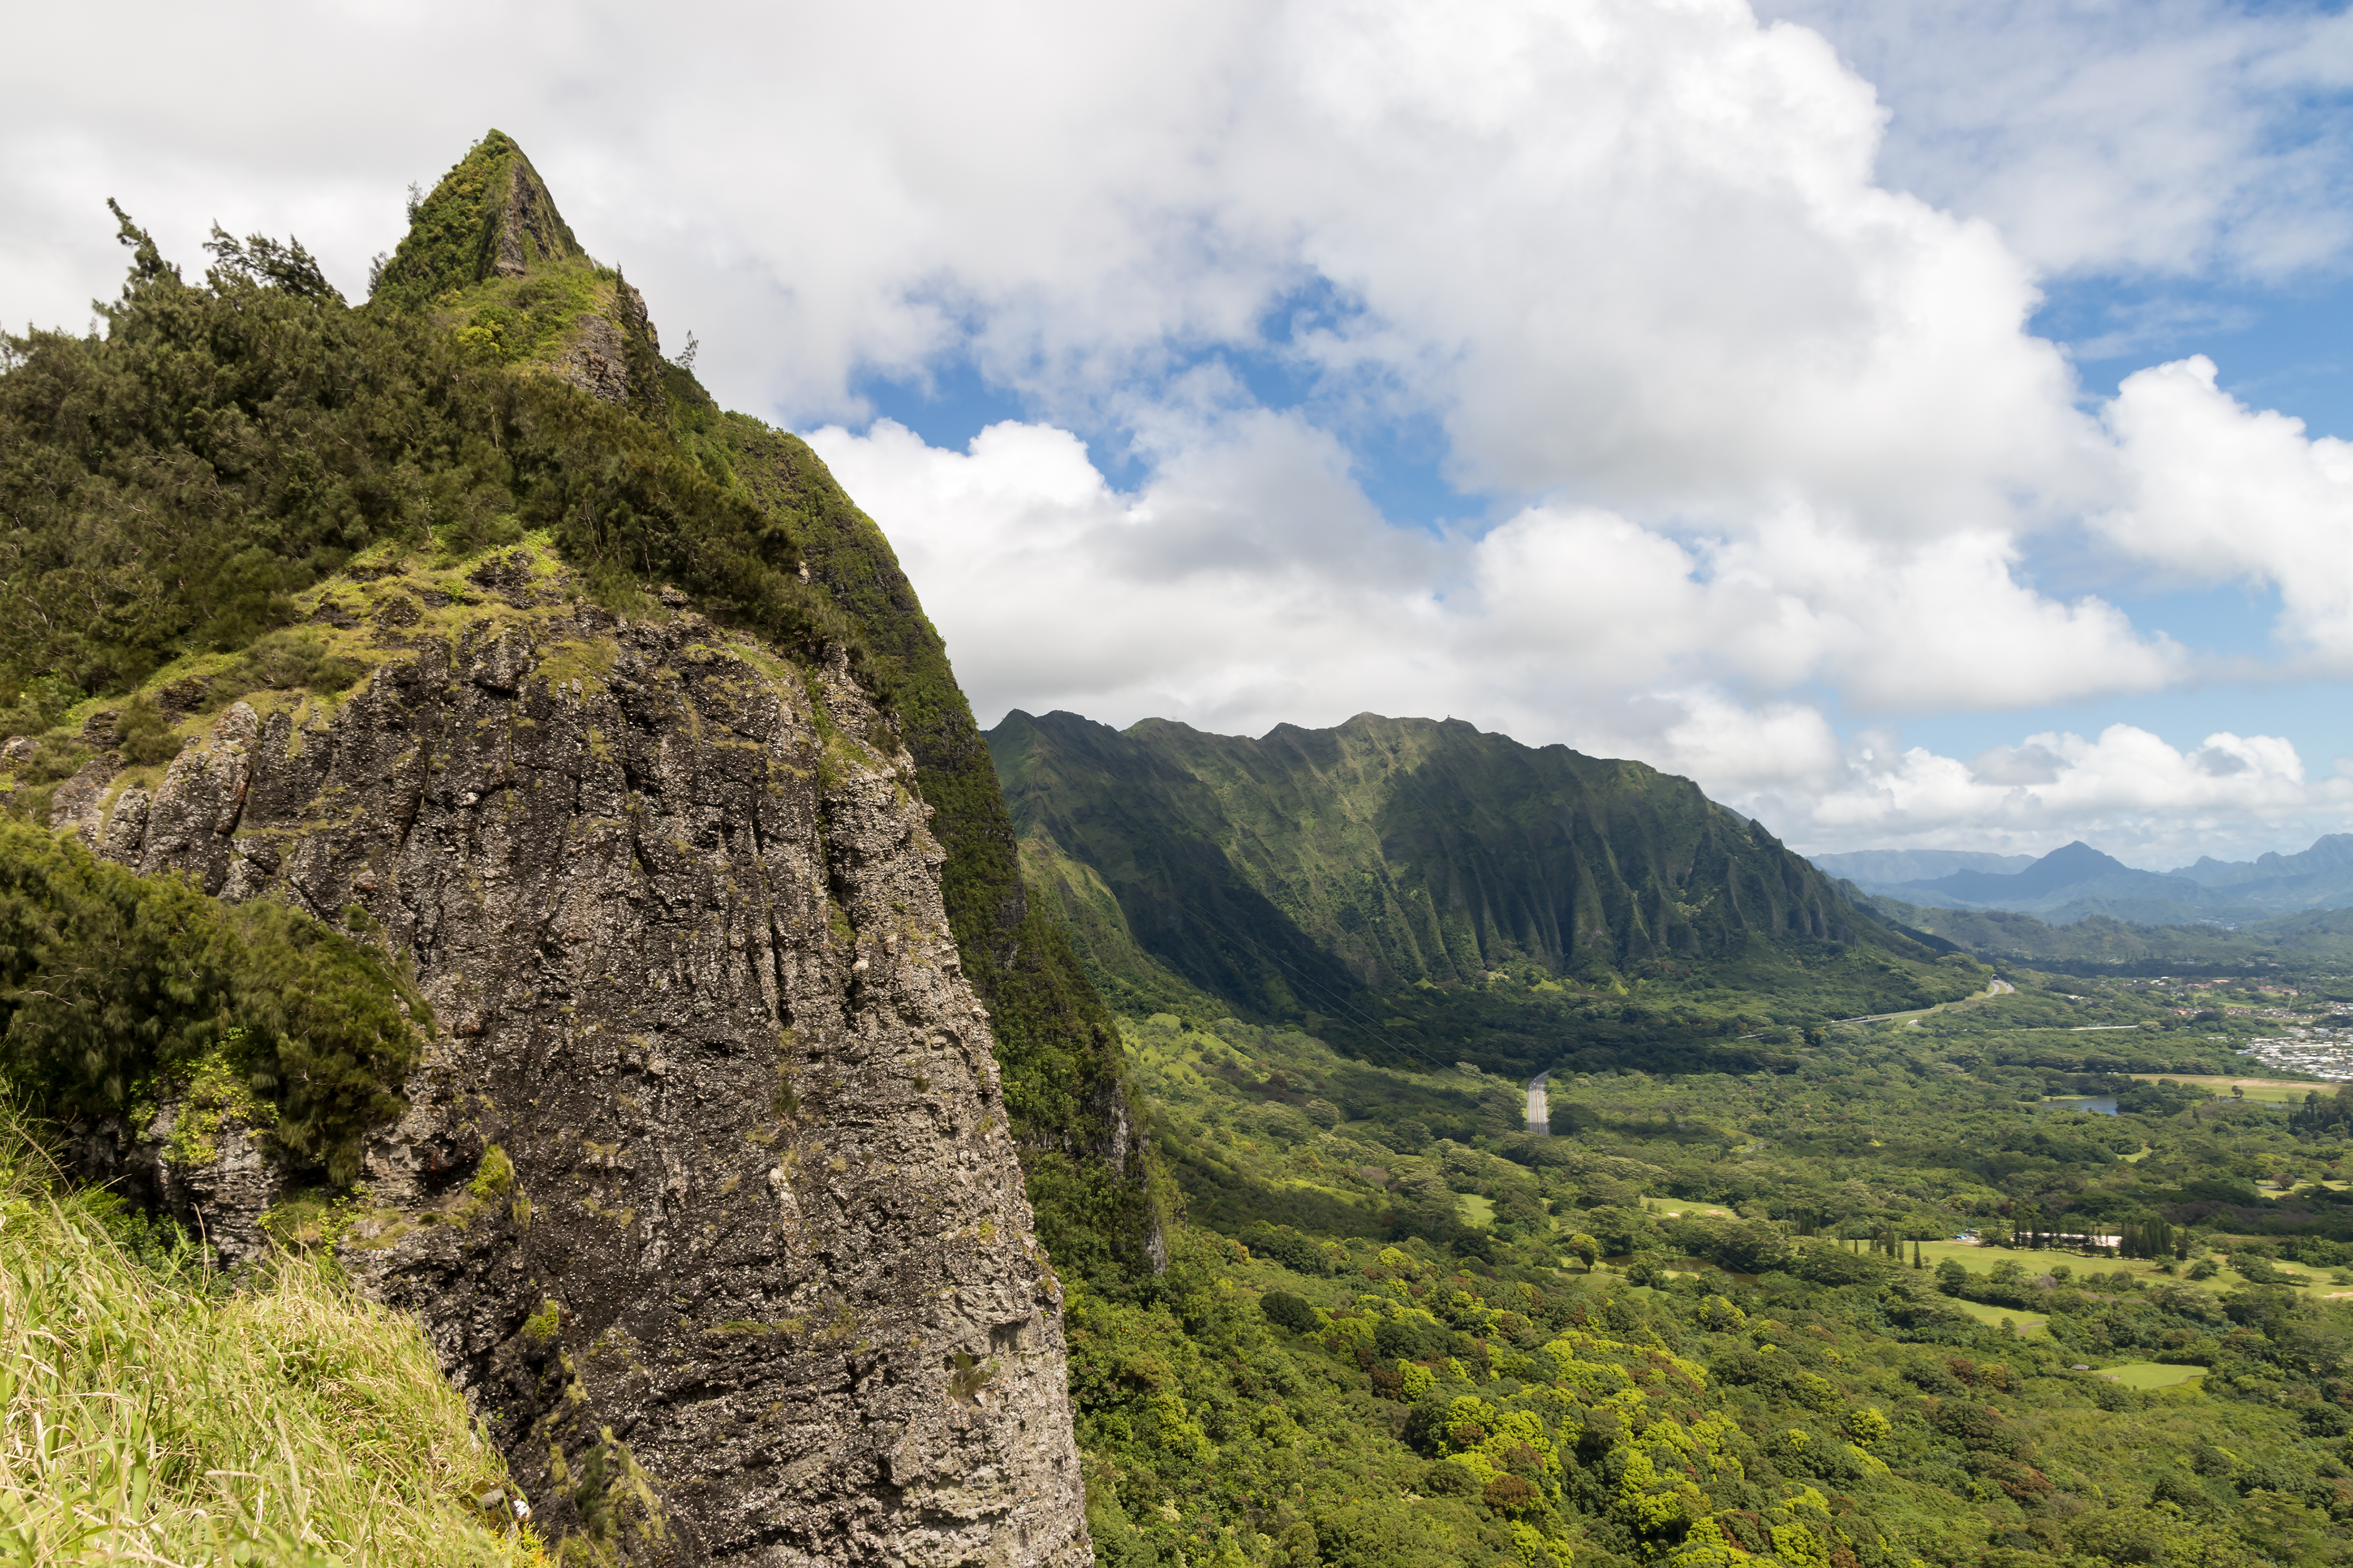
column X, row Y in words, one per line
column 2027, row 1323
column 1981, row 1259
column 2145, row 1375
column 2261, row 1090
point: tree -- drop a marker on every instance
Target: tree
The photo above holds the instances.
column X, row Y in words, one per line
column 1290, row 1311
column 1585, row 1249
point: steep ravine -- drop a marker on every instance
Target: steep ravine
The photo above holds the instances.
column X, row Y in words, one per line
column 706, row 1194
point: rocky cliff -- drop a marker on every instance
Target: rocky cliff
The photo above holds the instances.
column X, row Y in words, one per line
column 706, row 1193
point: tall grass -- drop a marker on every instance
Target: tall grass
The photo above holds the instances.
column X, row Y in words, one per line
column 150, row 1414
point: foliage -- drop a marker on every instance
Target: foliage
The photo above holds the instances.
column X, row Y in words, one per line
column 1417, row 890
column 173, row 484
column 454, row 232
column 2284, row 946
column 1381, row 1357
column 109, row 980
column 226, row 445
column 150, row 1414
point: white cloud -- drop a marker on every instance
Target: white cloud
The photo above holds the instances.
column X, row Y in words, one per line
column 1630, row 251
column 1765, row 439
column 2125, row 790
column 1194, row 598
column 1636, row 252
column 2215, row 489
column 1252, row 549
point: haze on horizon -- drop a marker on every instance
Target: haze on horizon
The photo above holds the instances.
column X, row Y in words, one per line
column 1918, row 422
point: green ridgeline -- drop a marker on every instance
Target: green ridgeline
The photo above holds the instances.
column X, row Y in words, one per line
column 1426, row 890
column 230, row 443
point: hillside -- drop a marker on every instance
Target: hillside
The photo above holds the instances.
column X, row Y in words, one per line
column 450, row 620
column 2314, row 942
column 492, row 836
column 1405, row 885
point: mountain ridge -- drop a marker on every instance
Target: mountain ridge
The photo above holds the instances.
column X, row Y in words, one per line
column 613, row 719
column 1340, row 875
column 2075, row 881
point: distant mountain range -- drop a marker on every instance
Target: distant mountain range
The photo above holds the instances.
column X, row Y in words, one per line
column 2077, row 880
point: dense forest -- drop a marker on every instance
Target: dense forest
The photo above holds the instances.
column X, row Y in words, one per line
column 1727, row 1315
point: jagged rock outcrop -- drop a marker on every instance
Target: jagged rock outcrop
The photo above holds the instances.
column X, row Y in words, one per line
column 705, row 1193
column 488, row 251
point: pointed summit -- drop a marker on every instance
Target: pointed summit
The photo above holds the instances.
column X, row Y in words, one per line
column 490, row 216
column 488, row 251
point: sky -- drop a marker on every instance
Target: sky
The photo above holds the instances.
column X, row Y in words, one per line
column 1925, row 425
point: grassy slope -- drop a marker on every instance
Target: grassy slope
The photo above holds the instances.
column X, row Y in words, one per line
column 150, row 1414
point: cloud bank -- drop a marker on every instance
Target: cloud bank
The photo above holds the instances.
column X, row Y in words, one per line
column 1729, row 368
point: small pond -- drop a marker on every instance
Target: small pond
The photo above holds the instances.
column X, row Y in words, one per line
column 2098, row 1104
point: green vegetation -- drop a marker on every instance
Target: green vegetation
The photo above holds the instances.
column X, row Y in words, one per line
column 491, row 206
column 150, row 1413
column 224, row 447
column 1724, row 1313
column 2312, row 942
column 1422, row 892
column 175, row 487
column 110, row 981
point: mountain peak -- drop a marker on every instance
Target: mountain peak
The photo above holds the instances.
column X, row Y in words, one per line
column 487, row 253
column 2078, row 857
column 490, row 216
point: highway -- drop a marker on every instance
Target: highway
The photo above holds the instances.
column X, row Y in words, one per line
column 1540, row 1113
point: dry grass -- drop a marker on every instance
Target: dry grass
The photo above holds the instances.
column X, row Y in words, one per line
column 150, row 1414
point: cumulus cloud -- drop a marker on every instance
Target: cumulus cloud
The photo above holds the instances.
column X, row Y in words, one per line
column 1189, row 598
column 2216, row 489
column 1631, row 251
column 2125, row 789
column 1751, row 441
column 1251, row 549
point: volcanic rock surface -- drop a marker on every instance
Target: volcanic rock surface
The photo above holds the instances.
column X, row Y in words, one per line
column 705, row 1194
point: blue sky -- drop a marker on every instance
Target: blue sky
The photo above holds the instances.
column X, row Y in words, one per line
column 1879, row 412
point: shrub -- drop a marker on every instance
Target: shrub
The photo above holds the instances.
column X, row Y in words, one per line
column 1510, row 1495
column 1447, row 1478
column 143, row 733
column 109, row 980
column 1410, row 1339
column 1290, row 1311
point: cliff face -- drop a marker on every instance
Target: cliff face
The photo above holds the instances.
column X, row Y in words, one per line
column 1353, row 874
column 706, row 1194
column 1084, row 1145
